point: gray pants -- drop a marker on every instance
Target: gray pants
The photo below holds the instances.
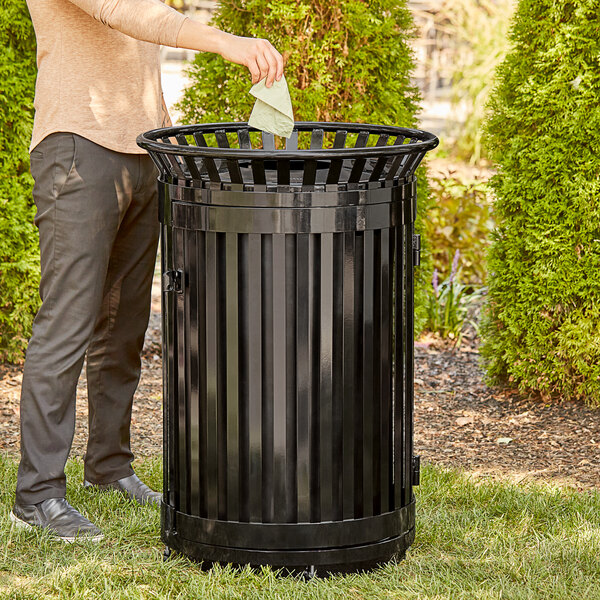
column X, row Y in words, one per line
column 98, row 226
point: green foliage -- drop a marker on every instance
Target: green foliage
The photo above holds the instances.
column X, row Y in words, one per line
column 542, row 323
column 448, row 304
column 481, row 27
column 19, row 271
column 424, row 270
column 460, row 219
column 346, row 61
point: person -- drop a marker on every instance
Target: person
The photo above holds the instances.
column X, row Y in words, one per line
column 98, row 87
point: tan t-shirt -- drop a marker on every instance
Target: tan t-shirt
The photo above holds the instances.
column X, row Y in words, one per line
column 99, row 68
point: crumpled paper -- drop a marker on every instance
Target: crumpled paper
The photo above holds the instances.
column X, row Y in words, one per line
column 272, row 110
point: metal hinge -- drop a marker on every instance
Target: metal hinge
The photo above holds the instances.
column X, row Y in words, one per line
column 172, row 281
column 416, row 469
column 416, row 250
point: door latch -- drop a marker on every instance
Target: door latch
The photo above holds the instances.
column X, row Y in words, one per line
column 172, row 281
column 416, row 470
column 416, row 249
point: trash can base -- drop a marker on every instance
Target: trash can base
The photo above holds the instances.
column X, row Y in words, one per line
column 296, row 562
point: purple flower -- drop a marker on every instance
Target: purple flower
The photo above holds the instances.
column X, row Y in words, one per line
column 434, row 281
column 454, row 265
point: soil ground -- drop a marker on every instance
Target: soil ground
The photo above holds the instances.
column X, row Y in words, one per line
column 459, row 420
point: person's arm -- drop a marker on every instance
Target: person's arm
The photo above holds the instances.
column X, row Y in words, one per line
column 153, row 21
column 258, row 55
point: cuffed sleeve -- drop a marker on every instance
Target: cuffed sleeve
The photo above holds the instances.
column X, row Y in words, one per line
column 145, row 20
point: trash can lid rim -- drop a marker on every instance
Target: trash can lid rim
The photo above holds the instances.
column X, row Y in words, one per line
column 425, row 141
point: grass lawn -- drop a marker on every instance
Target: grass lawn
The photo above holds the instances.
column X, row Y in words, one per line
column 475, row 539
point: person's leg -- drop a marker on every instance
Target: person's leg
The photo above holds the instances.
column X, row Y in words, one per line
column 78, row 192
column 113, row 359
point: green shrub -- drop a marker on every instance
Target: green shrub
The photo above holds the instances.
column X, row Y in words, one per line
column 346, row 61
column 460, row 219
column 19, row 270
column 542, row 323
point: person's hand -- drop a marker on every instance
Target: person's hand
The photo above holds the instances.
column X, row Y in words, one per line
column 258, row 55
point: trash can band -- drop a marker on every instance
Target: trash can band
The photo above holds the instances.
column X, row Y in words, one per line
column 293, row 198
column 292, row 536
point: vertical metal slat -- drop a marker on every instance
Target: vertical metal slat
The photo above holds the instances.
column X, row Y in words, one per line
column 161, row 164
column 233, row 166
column 244, row 139
column 202, row 368
column 181, row 430
column 222, row 386
column 283, row 172
column 385, row 373
column 232, row 335
column 173, row 160
column 338, row 362
column 303, row 376
column 358, row 164
column 358, row 386
column 309, row 176
column 380, row 163
column 335, row 169
column 370, row 401
column 192, row 372
column 326, row 411
column 258, row 173
column 314, row 298
column 267, row 388
column 291, row 143
column 268, row 140
column 348, row 385
column 409, row 361
column 377, row 360
column 209, row 163
column 291, row 274
column 316, row 139
column 398, row 394
column 189, row 160
column 390, row 170
column 280, row 351
column 169, row 348
column 244, row 349
column 407, row 165
column 254, row 349
column 212, row 344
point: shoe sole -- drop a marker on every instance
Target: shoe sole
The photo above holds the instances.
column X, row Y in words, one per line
column 64, row 538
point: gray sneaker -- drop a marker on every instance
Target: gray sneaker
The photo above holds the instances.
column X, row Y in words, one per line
column 58, row 517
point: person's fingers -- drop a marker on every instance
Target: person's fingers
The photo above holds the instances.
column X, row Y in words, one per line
column 272, row 72
column 254, row 70
column 276, row 64
column 263, row 65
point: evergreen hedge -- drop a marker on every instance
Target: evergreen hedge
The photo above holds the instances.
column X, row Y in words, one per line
column 346, row 61
column 19, row 262
column 542, row 323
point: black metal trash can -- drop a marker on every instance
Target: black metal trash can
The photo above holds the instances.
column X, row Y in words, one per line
column 288, row 342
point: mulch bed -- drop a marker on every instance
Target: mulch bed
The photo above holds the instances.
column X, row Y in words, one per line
column 459, row 421
column 491, row 431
